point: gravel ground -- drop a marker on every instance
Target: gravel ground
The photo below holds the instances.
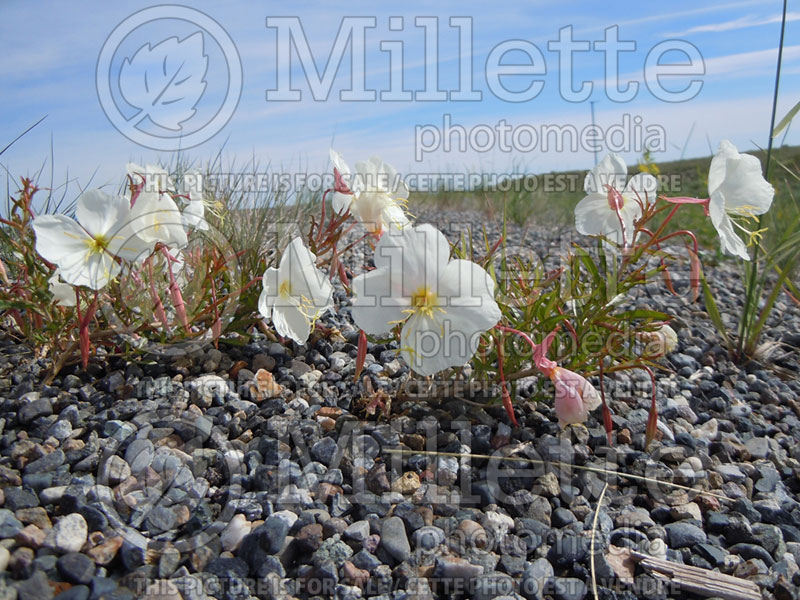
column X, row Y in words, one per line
column 178, row 478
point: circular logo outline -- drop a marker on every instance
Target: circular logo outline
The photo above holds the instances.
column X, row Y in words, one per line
column 206, row 24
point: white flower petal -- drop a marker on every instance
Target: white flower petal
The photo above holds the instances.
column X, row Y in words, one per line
column 466, row 285
column 269, row 293
column 418, row 254
column 729, row 240
column 719, row 165
column 341, row 202
column 291, row 322
column 99, row 269
column 308, row 285
column 194, row 215
column 609, row 171
column 378, row 305
column 59, row 238
column 369, row 207
column 154, row 177
column 593, row 216
column 422, row 346
column 63, row 293
column 156, row 218
column 430, row 343
column 192, row 185
column 642, row 186
column 338, row 162
column 100, row 213
column 744, row 188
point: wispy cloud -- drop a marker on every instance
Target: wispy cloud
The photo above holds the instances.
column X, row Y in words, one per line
column 730, row 66
column 734, row 24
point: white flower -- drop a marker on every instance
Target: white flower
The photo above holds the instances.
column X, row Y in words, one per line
column 444, row 306
column 155, row 218
column 736, row 187
column 375, row 195
column 84, row 250
column 596, row 213
column 152, row 178
column 296, row 293
column 194, row 211
column 63, row 293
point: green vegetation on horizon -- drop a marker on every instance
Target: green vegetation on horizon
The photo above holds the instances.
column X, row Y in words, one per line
column 536, row 204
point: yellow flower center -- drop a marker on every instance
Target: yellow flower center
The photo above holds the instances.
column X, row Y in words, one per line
column 285, row 289
column 424, row 301
column 98, row 244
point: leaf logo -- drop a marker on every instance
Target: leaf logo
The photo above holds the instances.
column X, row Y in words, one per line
column 166, row 81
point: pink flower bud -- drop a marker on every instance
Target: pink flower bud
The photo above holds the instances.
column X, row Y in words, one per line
column 575, row 396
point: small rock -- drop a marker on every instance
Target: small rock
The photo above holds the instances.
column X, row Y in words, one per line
column 568, row 551
column 76, row 567
column 114, row 471
column 758, row 448
column 492, row 585
column 309, row 538
column 30, row 536
column 68, row 534
column 406, row 484
column 358, row 531
column 549, row 485
column 36, row 587
column 456, row 570
column 274, row 531
column 104, row 553
column 730, row 473
column 708, row 431
column 684, row 535
column 471, row 534
column 536, row 579
column 428, row 537
column 569, row 588
column 35, row 516
column 686, row 511
column 40, row 407
column 9, row 524
column 624, row 436
column 139, row 455
column 497, row 524
column 234, row 532
column 394, row 539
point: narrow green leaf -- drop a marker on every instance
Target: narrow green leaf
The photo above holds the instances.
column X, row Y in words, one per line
column 786, row 120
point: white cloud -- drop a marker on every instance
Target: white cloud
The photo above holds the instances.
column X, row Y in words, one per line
column 729, row 66
column 734, row 24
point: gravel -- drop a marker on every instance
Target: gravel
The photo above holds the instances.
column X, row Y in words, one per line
column 165, row 477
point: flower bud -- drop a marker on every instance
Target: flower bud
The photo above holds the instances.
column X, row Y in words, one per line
column 575, row 396
column 660, row 342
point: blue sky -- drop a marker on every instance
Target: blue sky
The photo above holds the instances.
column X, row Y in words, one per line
column 51, row 54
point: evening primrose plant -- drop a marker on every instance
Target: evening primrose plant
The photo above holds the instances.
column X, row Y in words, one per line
column 143, row 269
column 129, row 272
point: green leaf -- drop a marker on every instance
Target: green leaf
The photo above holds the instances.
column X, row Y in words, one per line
column 642, row 313
column 786, row 120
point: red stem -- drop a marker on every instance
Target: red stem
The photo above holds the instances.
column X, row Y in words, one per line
column 504, row 394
